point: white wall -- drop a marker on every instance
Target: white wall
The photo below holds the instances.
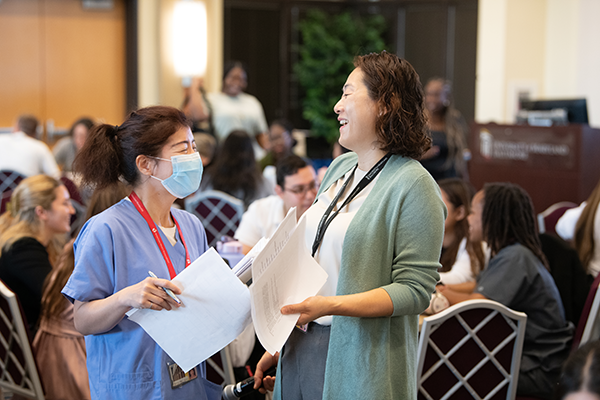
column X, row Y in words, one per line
column 547, row 48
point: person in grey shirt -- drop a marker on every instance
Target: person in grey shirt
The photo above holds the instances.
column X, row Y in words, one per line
column 518, row 277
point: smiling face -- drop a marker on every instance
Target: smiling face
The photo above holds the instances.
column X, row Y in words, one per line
column 180, row 143
column 57, row 219
column 357, row 113
column 475, row 216
column 235, row 82
column 299, row 190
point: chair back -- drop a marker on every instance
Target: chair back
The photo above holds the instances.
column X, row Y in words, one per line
column 219, row 212
column 587, row 328
column 548, row 218
column 8, row 182
column 72, row 189
column 471, row 350
column 18, row 370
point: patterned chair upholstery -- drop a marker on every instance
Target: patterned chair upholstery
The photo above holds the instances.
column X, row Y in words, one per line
column 219, row 212
column 18, row 370
column 8, row 182
column 471, row 350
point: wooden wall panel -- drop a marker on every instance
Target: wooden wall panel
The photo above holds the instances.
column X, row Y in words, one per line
column 21, row 83
column 85, row 62
column 64, row 62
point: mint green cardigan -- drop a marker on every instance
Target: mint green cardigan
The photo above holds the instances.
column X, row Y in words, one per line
column 393, row 242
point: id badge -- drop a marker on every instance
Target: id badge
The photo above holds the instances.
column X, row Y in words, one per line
column 178, row 377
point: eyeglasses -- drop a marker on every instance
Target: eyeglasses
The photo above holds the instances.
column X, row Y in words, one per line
column 301, row 190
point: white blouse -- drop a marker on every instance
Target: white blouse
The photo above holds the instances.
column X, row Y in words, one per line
column 329, row 254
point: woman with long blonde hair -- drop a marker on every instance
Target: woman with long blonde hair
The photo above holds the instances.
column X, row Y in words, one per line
column 32, row 232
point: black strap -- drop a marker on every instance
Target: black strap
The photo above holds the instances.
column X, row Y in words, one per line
column 364, row 182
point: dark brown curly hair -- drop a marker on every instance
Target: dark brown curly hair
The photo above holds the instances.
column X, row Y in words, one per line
column 395, row 86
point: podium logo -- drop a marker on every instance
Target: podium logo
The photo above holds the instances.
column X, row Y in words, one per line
column 486, row 143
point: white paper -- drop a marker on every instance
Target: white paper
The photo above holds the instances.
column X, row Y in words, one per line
column 216, row 309
column 288, row 274
column 277, row 241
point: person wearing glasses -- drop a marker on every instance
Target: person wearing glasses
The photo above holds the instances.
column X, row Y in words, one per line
column 296, row 187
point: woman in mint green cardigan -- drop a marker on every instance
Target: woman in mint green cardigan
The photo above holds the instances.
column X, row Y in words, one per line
column 381, row 250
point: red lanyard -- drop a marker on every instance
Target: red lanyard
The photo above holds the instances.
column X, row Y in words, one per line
column 140, row 207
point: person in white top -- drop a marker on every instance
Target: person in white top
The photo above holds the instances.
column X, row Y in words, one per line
column 231, row 109
column 462, row 258
column 376, row 229
column 296, row 187
column 582, row 226
column 19, row 152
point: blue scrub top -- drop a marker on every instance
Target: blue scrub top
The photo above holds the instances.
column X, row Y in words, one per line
column 114, row 250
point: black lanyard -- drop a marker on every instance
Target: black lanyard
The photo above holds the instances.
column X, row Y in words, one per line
column 364, row 182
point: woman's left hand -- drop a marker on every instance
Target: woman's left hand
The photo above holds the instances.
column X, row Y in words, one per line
column 310, row 309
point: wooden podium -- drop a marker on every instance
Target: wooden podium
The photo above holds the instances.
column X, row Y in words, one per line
column 559, row 163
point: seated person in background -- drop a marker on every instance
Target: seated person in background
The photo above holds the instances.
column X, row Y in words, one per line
column 296, row 187
column 32, row 233
column 462, row 258
column 59, row 347
column 206, row 145
column 66, row 148
column 518, row 277
column 20, row 152
column 582, row 225
column 235, row 171
column 580, row 378
column 281, row 143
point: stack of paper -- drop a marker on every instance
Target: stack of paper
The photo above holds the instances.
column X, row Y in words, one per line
column 217, row 306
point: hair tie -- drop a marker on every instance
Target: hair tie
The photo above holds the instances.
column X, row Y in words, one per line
column 112, row 134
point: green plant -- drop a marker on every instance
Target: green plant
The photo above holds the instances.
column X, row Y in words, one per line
column 329, row 45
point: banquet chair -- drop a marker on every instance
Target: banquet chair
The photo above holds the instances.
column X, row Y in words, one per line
column 8, row 182
column 548, row 218
column 18, row 370
column 219, row 212
column 471, row 350
column 587, row 328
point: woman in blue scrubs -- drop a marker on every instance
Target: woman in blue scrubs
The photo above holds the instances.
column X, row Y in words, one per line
column 155, row 153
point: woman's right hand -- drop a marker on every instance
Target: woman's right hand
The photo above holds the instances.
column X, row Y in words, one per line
column 149, row 294
column 268, row 382
column 99, row 316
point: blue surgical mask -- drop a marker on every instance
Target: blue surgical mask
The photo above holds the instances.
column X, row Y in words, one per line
column 186, row 176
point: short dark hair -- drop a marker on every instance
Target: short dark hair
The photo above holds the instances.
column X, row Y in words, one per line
column 110, row 151
column 395, row 86
column 85, row 121
column 581, row 371
column 234, row 64
column 284, row 123
column 508, row 217
column 28, row 124
column 289, row 166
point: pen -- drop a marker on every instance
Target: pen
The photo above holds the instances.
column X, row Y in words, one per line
column 167, row 291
